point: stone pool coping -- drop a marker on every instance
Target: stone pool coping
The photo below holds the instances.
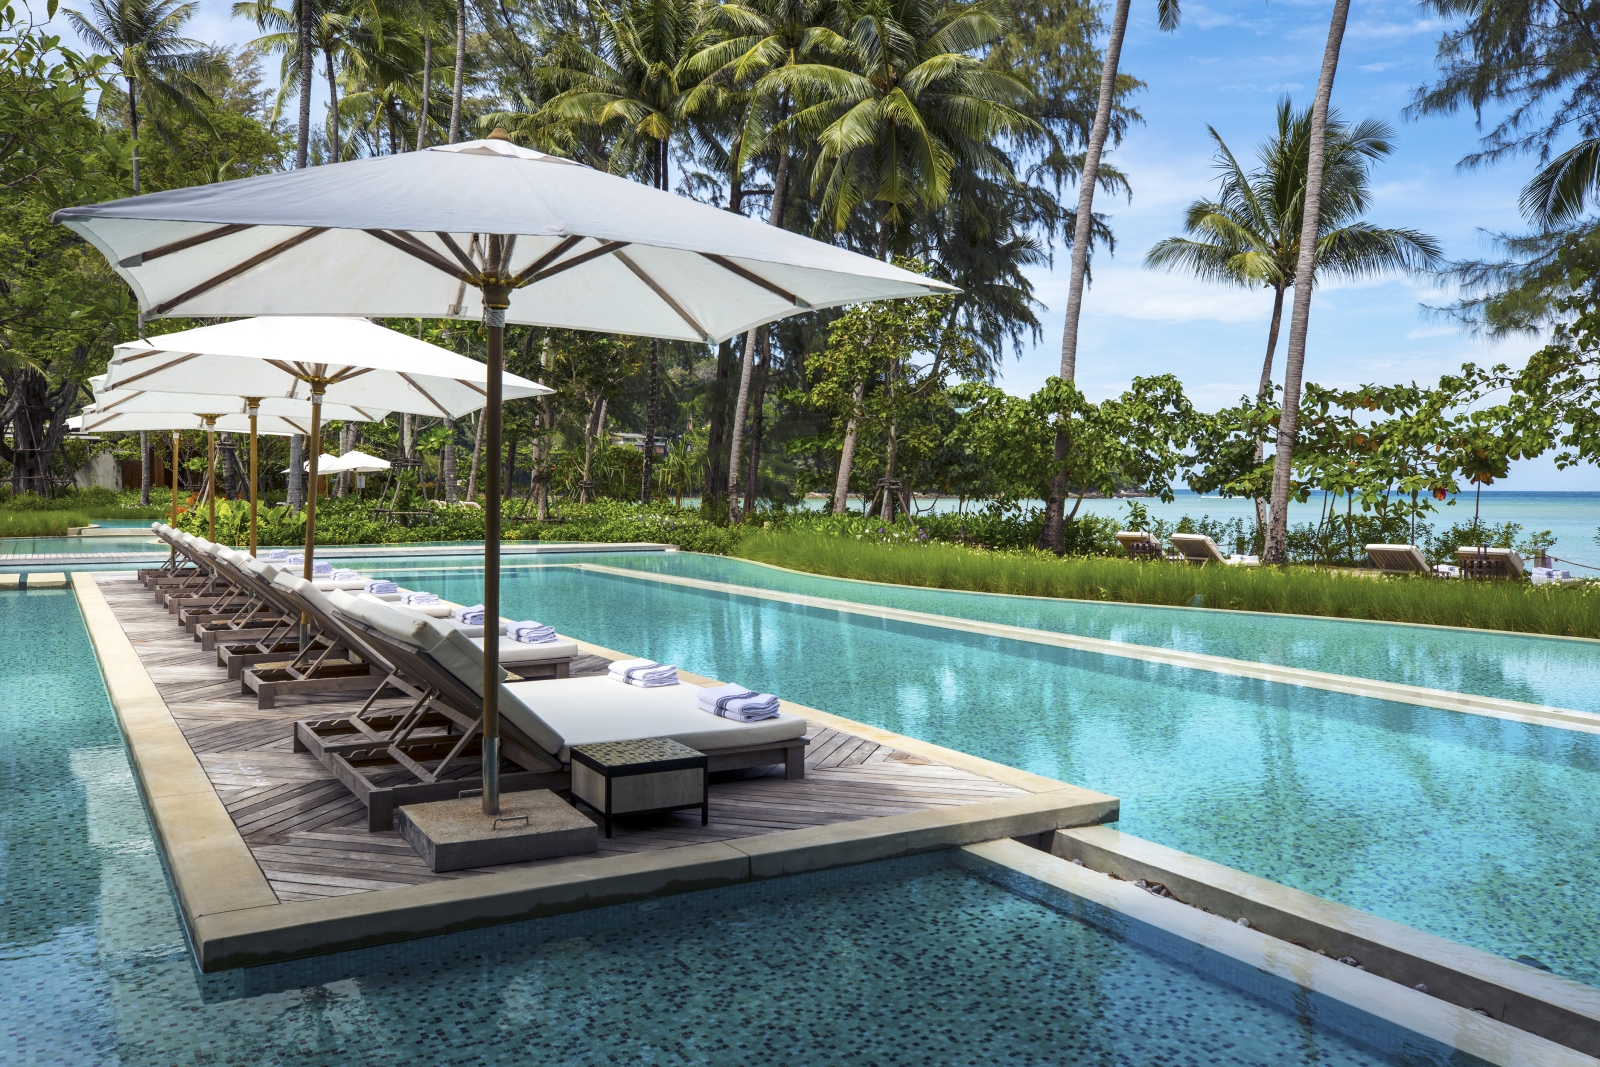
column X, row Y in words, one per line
column 233, row 918
column 1362, row 992
column 1398, row 692
column 1557, row 1008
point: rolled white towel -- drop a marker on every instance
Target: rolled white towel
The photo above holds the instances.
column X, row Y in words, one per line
column 738, row 703
column 381, row 586
column 413, row 599
column 343, row 574
column 645, row 673
column 282, row 553
column 469, row 616
column 531, row 633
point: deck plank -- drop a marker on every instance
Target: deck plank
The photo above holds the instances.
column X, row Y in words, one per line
column 309, row 834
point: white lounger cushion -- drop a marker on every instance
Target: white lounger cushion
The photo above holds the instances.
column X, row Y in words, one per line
column 328, row 585
column 588, row 710
column 384, row 618
column 513, row 652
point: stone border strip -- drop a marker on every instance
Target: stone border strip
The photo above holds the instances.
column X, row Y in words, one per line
column 1553, row 1007
column 1361, row 994
column 1516, row 710
column 234, row 919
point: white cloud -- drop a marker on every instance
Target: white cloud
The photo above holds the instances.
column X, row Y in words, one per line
column 1156, row 296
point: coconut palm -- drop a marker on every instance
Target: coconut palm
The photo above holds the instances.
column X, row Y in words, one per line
column 1053, row 534
column 1277, row 547
column 636, row 85
column 159, row 67
column 1249, row 235
column 909, row 103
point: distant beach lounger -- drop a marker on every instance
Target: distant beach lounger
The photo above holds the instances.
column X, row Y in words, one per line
column 1198, row 548
column 1138, row 544
column 1478, row 562
column 1398, row 559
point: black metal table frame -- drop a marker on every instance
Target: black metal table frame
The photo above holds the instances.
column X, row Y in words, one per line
column 631, row 770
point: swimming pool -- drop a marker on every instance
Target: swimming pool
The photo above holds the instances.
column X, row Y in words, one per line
column 911, row 962
column 1461, row 825
column 1540, row 670
column 14, row 546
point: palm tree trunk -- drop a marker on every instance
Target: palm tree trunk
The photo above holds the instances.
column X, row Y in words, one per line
column 303, row 132
column 333, row 106
column 427, row 86
column 297, row 447
column 847, row 454
column 133, row 122
column 144, row 468
column 1264, row 390
column 746, row 373
column 461, row 71
column 1277, row 548
column 1053, row 536
column 447, row 462
column 477, row 459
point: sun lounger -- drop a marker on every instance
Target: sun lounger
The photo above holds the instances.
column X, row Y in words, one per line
column 541, row 720
column 1477, row 562
column 1198, row 548
column 1138, row 544
column 280, row 642
column 1398, row 559
column 436, row 740
column 345, row 662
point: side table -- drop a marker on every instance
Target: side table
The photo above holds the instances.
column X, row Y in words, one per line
column 634, row 777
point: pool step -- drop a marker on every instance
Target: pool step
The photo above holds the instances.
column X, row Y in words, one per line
column 34, row 580
column 1559, row 1009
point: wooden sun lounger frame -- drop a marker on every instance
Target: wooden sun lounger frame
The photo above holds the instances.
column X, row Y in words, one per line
column 390, row 742
column 1139, row 544
column 1411, row 554
column 1482, row 562
column 321, row 669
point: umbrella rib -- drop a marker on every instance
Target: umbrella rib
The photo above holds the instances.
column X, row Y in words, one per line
column 139, row 259
column 526, row 273
column 755, row 279
column 153, row 370
column 475, row 388
column 455, row 250
column 413, row 247
column 237, row 269
column 579, row 260
column 413, row 383
column 640, row 273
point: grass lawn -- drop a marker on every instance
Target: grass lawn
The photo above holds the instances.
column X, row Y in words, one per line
column 1489, row 605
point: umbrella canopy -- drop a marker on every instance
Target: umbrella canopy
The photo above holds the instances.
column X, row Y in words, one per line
column 107, row 401
column 398, row 236
column 353, row 461
column 361, row 366
column 95, row 421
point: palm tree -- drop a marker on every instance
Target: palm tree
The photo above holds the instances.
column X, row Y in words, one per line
column 1053, row 535
column 1277, row 547
column 1249, row 235
column 157, row 64
column 908, row 104
column 292, row 37
column 637, row 85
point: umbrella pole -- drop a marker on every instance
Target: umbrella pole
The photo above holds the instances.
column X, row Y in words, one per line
column 174, row 522
column 495, row 301
column 314, row 439
column 211, row 477
column 254, row 409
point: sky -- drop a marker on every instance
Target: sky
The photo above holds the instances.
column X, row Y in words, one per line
column 1227, row 66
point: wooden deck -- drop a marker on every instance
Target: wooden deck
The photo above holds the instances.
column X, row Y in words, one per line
column 308, row 833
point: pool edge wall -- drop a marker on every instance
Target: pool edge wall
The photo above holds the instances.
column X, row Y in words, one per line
column 234, row 919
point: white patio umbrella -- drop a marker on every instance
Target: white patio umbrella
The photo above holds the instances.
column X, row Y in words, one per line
column 482, row 226
column 294, row 413
column 365, row 367
column 92, row 420
column 353, row 462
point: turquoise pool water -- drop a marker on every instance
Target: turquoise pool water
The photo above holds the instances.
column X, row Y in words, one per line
column 907, row 963
column 1473, row 828
column 11, row 546
column 1539, row 670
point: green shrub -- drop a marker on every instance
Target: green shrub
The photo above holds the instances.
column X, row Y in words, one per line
column 31, row 523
